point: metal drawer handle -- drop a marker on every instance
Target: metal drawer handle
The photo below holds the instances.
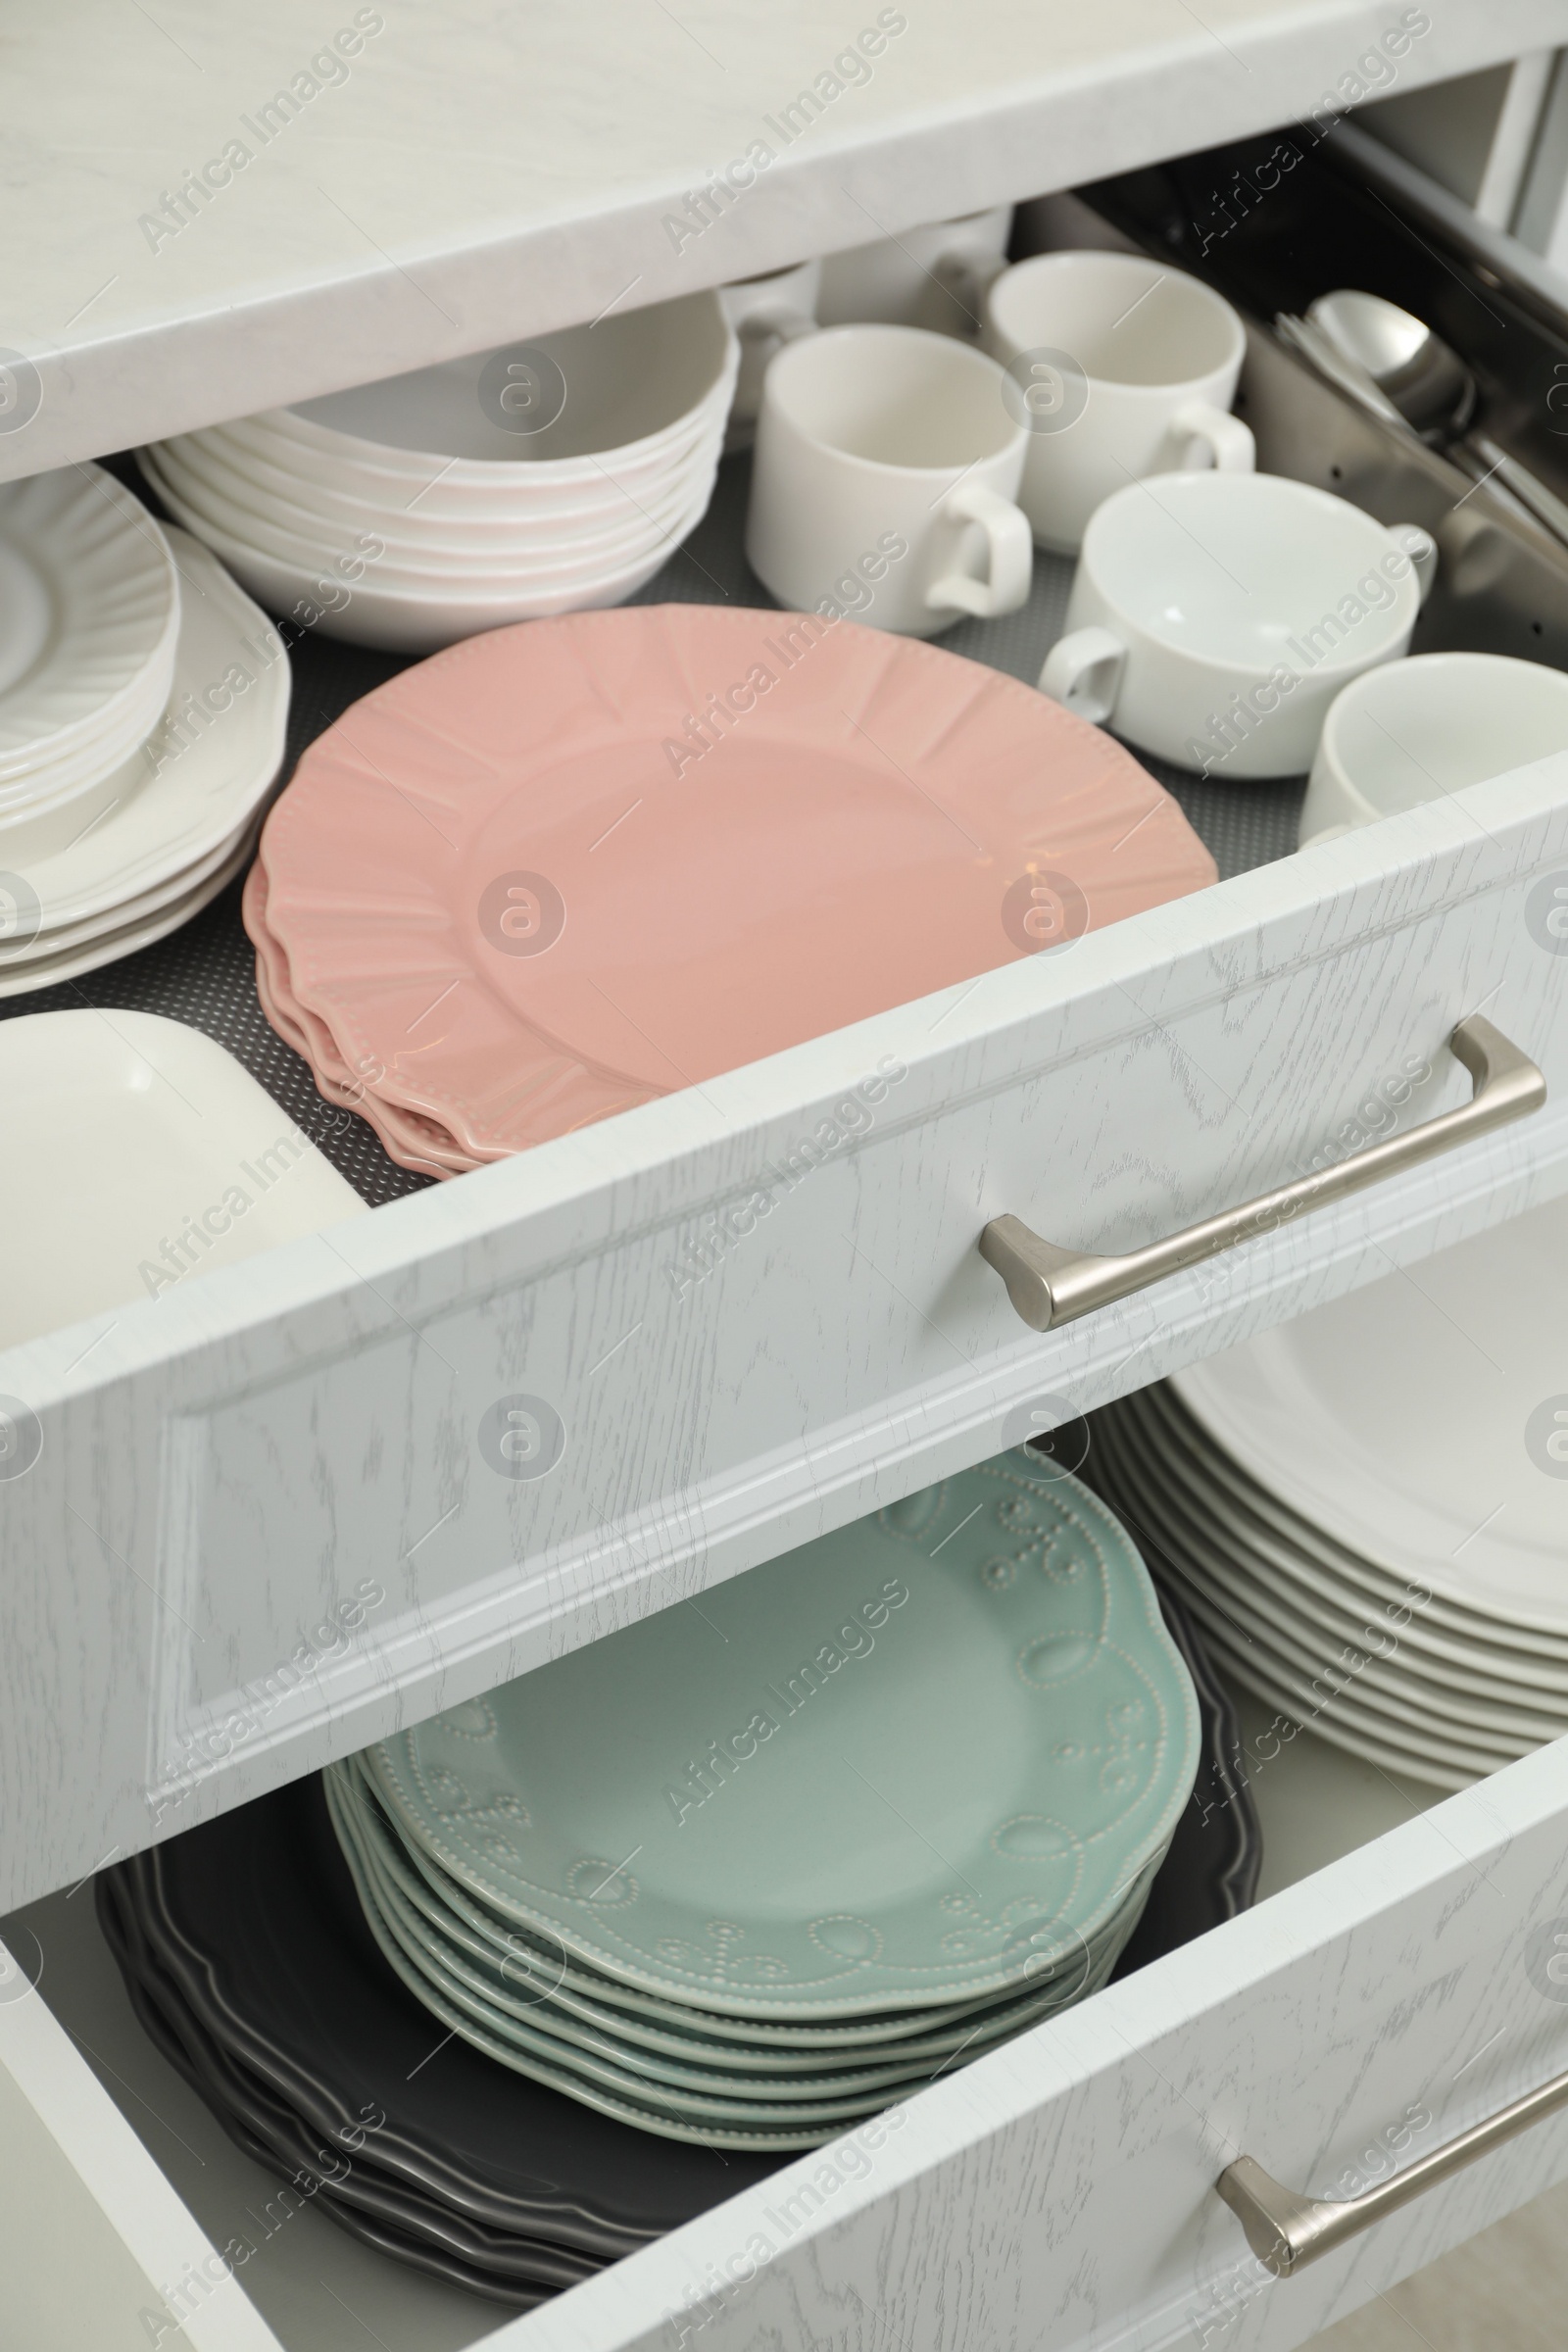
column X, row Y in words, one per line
column 1049, row 1286
column 1286, row 2230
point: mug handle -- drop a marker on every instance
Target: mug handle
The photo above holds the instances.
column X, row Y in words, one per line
column 775, row 322
column 967, row 278
column 1010, row 554
column 1229, row 442
column 1422, row 550
column 1083, row 672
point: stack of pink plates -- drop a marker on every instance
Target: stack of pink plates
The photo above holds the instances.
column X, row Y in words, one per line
column 567, row 867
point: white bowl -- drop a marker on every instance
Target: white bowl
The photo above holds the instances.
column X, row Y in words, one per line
column 1430, row 725
column 422, row 621
column 237, row 496
column 203, row 511
column 634, row 383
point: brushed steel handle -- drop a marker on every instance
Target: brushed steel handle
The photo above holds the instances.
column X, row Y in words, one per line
column 1286, row 2230
column 1049, row 1286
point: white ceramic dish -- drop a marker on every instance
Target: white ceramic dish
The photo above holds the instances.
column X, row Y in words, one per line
column 1265, row 1598
column 890, row 452
column 91, row 605
column 1146, row 370
column 334, row 525
column 1447, row 1644
column 57, row 938
column 632, row 382
column 1423, row 1422
column 153, row 1130
column 201, row 794
column 112, row 941
column 422, row 621
column 1411, row 731
column 268, row 527
column 1214, row 616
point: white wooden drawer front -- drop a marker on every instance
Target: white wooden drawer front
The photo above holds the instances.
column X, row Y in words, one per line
column 274, row 1510
column 1056, row 2197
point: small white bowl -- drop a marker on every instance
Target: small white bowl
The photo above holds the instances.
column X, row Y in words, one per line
column 1429, row 725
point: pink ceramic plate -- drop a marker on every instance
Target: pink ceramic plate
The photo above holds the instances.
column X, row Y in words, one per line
column 668, row 841
column 559, row 1091
column 411, row 1140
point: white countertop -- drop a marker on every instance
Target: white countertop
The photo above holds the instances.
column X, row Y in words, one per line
column 481, row 170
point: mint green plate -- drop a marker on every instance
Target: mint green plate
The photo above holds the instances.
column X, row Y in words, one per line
column 553, row 1996
column 920, row 1760
column 689, row 2112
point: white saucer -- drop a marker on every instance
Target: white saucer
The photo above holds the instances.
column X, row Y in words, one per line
column 202, row 795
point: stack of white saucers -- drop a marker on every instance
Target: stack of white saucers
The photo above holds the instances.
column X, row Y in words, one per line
column 91, row 604
column 154, row 702
column 542, row 479
column 1367, row 1509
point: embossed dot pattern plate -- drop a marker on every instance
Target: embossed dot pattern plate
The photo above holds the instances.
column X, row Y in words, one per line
column 919, row 1758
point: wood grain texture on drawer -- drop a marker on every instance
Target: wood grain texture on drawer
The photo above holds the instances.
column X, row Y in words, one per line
column 1057, row 2195
column 264, row 1517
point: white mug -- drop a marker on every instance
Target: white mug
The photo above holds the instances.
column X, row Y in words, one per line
column 1214, row 616
column 1431, row 725
column 884, row 480
column 766, row 310
column 1123, row 367
column 928, row 276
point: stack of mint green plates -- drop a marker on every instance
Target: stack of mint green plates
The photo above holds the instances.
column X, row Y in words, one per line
column 767, row 1862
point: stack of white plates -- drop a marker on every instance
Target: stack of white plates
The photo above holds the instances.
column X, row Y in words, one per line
column 1367, row 1509
column 175, row 690
column 410, row 513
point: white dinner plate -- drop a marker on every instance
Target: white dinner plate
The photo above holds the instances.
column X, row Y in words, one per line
column 120, row 940
column 153, row 1133
column 1452, row 1642
column 201, row 794
column 1347, row 1679
column 1423, row 1421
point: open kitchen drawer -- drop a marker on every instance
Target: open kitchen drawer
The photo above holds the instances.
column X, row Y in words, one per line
column 1056, row 2197
column 308, row 1436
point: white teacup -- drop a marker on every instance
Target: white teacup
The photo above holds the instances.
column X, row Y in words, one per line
column 931, row 276
column 884, row 480
column 1122, row 367
column 1214, row 616
column 766, row 310
column 1428, row 726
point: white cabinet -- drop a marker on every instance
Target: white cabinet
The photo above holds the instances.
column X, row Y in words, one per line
column 308, row 1438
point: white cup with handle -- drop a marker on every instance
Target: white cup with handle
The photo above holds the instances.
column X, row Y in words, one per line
column 778, row 307
column 885, row 481
column 1214, row 616
column 1435, row 725
column 1122, row 367
column 930, row 276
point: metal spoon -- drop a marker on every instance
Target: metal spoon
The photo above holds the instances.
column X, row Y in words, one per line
column 1425, row 379
column 1390, row 360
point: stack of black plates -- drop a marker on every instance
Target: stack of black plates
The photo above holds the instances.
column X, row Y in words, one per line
column 249, row 1961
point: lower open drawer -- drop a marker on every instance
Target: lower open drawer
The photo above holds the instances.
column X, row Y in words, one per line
column 1056, row 2197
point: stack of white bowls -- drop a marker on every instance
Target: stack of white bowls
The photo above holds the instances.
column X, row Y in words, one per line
column 541, row 478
